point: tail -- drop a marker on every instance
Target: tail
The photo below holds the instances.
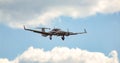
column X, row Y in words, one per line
column 42, row 28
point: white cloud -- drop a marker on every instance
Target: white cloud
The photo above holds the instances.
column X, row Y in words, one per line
column 16, row 13
column 4, row 60
column 63, row 55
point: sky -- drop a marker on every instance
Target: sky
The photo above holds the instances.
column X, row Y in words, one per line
column 101, row 19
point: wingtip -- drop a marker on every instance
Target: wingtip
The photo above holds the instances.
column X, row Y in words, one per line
column 24, row 27
column 85, row 31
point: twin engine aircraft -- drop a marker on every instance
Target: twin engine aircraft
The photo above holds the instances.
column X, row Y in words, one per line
column 54, row 32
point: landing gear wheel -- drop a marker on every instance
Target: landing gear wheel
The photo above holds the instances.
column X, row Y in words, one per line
column 50, row 37
column 62, row 37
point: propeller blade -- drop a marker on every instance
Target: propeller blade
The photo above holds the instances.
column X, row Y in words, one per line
column 68, row 32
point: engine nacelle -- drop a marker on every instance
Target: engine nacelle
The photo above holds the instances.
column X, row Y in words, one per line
column 44, row 35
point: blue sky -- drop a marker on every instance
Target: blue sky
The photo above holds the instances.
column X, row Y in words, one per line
column 103, row 36
column 103, row 29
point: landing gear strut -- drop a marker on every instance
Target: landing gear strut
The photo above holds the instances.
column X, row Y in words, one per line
column 50, row 37
column 62, row 37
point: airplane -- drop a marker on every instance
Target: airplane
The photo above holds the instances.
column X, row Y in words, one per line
column 54, row 32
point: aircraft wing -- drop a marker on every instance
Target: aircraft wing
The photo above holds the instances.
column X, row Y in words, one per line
column 78, row 33
column 36, row 31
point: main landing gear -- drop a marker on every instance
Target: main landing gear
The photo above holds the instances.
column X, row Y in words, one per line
column 63, row 37
column 50, row 37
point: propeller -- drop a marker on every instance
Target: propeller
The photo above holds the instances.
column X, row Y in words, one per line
column 68, row 32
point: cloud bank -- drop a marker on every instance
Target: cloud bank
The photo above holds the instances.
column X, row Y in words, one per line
column 62, row 55
column 16, row 13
